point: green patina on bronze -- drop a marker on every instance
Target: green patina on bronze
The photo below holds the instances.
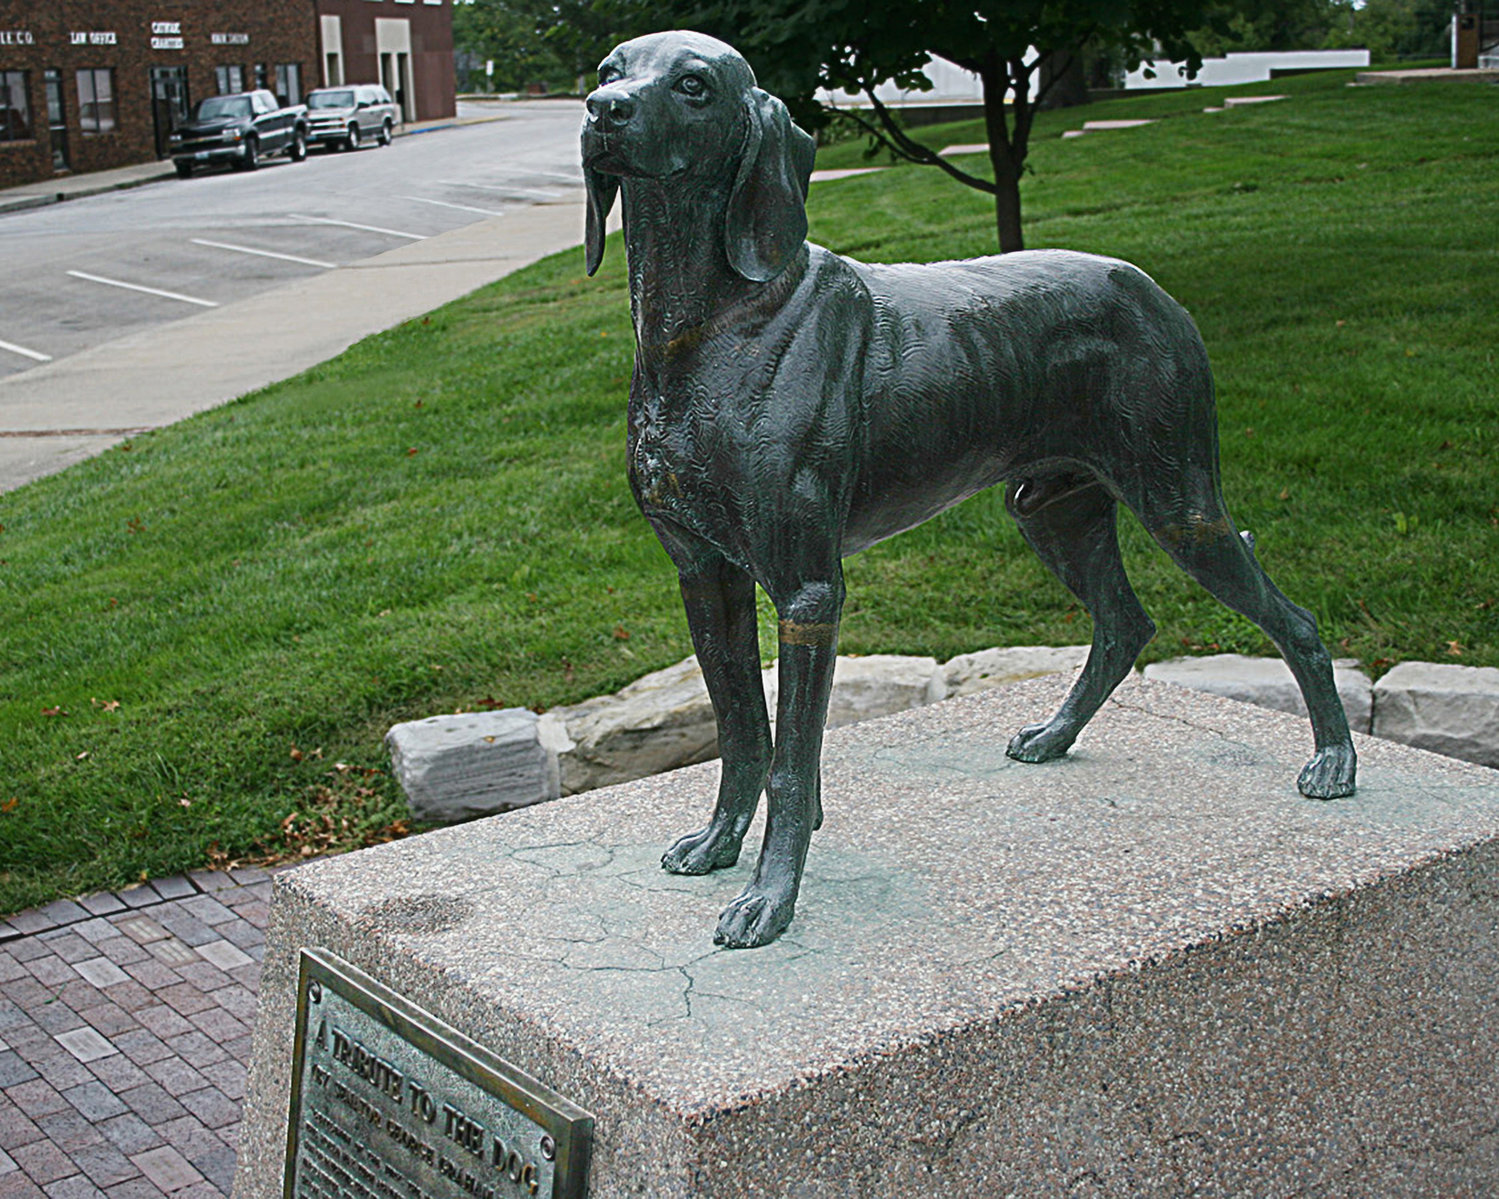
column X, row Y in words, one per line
column 791, row 407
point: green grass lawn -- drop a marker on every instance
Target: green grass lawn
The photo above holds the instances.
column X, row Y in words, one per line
column 209, row 630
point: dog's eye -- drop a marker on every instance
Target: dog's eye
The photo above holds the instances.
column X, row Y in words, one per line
column 608, row 75
column 691, row 85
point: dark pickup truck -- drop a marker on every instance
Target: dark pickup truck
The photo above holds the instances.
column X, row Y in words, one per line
column 239, row 129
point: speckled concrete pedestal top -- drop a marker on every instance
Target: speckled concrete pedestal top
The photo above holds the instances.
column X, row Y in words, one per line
column 950, row 889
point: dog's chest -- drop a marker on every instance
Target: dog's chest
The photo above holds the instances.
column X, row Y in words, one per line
column 686, row 464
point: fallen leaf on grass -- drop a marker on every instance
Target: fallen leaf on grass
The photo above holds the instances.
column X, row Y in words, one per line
column 9, row 805
column 1454, row 649
column 54, row 712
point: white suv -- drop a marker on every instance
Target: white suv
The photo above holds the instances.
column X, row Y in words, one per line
column 344, row 117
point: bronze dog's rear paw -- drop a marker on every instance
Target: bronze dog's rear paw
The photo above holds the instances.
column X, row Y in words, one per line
column 1330, row 773
column 1039, row 743
column 703, row 851
column 756, row 918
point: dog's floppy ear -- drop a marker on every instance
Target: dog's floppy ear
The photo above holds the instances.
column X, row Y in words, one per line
column 601, row 192
column 766, row 220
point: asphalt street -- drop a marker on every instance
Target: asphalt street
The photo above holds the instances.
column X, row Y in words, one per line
column 128, row 310
column 92, row 270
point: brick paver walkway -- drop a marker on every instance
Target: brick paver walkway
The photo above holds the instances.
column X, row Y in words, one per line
column 124, row 1036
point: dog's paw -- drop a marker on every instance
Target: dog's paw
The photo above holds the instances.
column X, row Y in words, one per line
column 756, row 918
column 1330, row 773
column 1039, row 743
column 701, row 852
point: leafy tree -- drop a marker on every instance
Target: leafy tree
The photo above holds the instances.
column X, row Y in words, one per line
column 1248, row 25
column 797, row 46
column 512, row 34
column 1393, row 29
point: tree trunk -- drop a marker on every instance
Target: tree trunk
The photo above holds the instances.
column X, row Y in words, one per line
column 1002, row 157
column 1007, row 203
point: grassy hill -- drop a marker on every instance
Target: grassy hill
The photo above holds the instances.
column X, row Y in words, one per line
column 209, row 629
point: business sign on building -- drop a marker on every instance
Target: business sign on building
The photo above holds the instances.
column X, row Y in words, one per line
column 229, row 39
column 16, row 37
column 92, row 37
column 166, row 35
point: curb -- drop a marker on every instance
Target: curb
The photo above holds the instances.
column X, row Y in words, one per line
column 21, row 203
column 166, row 171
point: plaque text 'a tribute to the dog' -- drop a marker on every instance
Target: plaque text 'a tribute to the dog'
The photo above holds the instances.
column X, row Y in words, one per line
column 388, row 1102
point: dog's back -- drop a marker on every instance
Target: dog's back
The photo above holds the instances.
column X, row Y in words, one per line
column 978, row 370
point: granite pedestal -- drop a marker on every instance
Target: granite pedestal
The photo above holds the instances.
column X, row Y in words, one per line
column 1150, row 968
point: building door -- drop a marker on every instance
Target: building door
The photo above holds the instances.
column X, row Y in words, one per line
column 393, row 45
column 57, row 119
column 169, row 103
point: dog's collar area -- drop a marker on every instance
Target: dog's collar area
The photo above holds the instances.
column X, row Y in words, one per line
column 767, row 295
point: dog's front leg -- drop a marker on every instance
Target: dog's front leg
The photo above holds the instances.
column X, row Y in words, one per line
column 720, row 602
column 809, row 648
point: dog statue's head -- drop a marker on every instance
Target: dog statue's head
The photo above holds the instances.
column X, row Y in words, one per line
column 683, row 104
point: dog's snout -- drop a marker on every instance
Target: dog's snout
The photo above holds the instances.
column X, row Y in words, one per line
column 610, row 109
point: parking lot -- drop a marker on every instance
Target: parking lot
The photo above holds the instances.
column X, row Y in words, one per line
column 83, row 273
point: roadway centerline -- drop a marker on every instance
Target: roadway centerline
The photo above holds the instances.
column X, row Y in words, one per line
column 36, row 355
column 460, row 207
column 150, row 291
column 328, row 220
column 224, row 245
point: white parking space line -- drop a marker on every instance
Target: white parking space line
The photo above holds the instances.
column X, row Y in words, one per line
column 150, row 291
column 460, row 207
column 537, row 192
column 224, row 245
column 328, row 220
column 37, row 355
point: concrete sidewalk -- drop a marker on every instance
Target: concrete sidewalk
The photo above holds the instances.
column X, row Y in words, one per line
column 64, row 411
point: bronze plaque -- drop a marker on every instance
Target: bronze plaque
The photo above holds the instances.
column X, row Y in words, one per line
column 389, row 1102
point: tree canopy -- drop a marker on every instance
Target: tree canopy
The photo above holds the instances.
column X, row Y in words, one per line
column 1020, row 50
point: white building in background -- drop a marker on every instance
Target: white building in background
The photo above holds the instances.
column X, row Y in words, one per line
column 951, row 86
column 1245, row 67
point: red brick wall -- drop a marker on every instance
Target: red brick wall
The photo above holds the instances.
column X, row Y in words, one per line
column 431, row 48
column 280, row 31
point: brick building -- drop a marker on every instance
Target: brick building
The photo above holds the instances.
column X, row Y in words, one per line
column 407, row 45
column 90, row 84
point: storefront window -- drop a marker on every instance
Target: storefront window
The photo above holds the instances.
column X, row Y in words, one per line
column 231, row 79
column 96, row 100
column 262, row 80
column 289, row 83
column 15, row 107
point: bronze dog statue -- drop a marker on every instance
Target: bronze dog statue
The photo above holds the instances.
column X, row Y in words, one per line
column 790, row 407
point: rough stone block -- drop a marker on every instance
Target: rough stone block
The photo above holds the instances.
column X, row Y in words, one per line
column 882, row 685
column 1452, row 710
column 968, row 673
column 665, row 720
column 1151, row 967
column 1266, row 682
column 458, row 767
column 660, row 721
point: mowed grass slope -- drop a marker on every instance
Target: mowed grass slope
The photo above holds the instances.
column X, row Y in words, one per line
column 207, row 632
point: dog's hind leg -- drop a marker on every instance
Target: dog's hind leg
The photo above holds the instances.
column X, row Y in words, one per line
column 720, row 603
column 1201, row 539
column 1070, row 522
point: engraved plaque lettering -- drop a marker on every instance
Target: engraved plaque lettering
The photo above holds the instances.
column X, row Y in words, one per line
column 389, row 1102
